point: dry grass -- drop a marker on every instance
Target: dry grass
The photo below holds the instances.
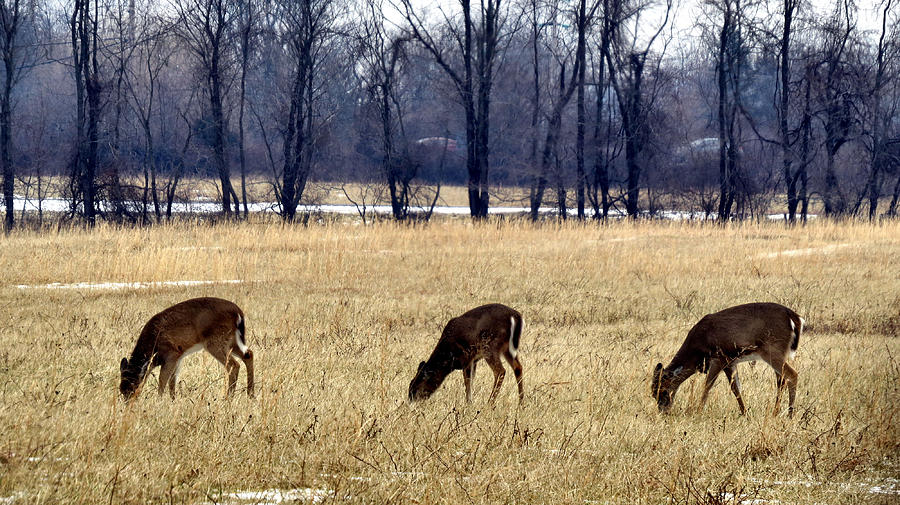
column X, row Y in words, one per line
column 339, row 315
column 259, row 189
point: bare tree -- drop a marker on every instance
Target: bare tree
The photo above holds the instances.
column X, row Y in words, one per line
column 606, row 149
column 729, row 20
column 837, row 114
column 205, row 27
column 887, row 54
column 582, row 23
column 12, row 19
column 477, row 42
column 247, row 21
column 308, row 25
column 120, row 41
column 787, row 140
column 583, row 16
column 537, row 26
column 153, row 56
column 382, row 53
column 627, row 59
column 83, row 25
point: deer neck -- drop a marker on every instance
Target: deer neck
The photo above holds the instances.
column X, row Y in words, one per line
column 679, row 371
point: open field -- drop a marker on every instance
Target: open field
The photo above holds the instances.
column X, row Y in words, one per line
column 339, row 315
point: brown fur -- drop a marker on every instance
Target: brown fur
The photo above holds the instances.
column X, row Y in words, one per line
column 211, row 322
column 719, row 341
column 483, row 332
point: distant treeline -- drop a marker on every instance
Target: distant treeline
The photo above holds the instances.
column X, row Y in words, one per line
column 597, row 104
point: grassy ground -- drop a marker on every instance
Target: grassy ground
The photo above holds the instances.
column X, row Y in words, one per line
column 339, row 315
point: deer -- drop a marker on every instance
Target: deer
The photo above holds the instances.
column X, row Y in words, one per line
column 718, row 342
column 490, row 332
column 213, row 324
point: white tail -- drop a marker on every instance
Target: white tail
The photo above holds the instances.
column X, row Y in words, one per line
column 755, row 331
column 213, row 324
column 488, row 332
column 513, row 340
column 239, row 336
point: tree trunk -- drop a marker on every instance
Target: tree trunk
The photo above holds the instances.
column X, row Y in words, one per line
column 878, row 124
column 805, row 133
column 10, row 28
column 388, row 161
column 219, row 148
column 892, row 208
column 241, row 150
column 725, row 191
column 246, row 33
column 633, row 122
column 601, row 166
column 536, row 111
column 790, row 179
column 87, row 88
column 6, row 121
column 580, row 179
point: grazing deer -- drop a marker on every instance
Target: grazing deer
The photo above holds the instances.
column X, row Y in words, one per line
column 488, row 332
column 755, row 331
column 213, row 324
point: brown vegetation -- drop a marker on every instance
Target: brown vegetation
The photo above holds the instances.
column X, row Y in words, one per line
column 339, row 315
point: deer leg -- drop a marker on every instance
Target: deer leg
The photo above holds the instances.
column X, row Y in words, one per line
column 499, row 373
column 223, row 356
column 716, row 365
column 468, row 372
column 231, row 368
column 167, row 376
column 517, row 370
column 174, row 379
column 735, row 381
column 786, row 376
column 248, row 364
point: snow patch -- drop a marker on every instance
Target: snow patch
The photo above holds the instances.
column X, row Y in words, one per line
column 197, row 248
column 276, row 496
column 802, row 252
column 13, row 498
column 207, row 206
column 125, row 285
column 743, row 500
column 41, row 459
column 887, row 486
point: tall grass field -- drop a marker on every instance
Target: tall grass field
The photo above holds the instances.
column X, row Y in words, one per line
column 339, row 316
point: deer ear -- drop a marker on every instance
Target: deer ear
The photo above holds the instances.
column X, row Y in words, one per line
column 658, row 367
column 123, row 365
